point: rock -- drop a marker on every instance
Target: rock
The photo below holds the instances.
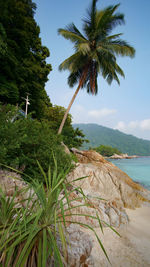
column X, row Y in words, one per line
column 123, row 156
column 79, row 247
column 105, row 181
column 88, row 156
column 12, row 181
column 66, row 149
column 113, row 215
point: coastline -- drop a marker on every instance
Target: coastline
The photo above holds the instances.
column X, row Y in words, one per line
column 132, row 248
column 137, row 168
column 123, row 156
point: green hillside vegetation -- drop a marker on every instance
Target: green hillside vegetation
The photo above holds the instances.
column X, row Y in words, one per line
column 24, row 70
column 99, row 135
column 107, row 151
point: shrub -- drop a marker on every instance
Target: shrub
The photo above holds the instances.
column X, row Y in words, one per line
column 24, row 141
column 107, row 150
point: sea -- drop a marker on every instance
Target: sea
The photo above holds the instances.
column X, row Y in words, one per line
column 137, row 168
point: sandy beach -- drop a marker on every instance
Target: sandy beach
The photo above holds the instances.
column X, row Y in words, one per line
column 132, row 249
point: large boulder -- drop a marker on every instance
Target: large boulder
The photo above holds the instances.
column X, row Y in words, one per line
column 107, row 188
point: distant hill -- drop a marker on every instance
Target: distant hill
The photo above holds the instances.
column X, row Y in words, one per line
column 100, row 135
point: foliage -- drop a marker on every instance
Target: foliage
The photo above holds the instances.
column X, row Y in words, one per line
column 23, row 65
column 71, row 137
column 3, row 46
column 100, row 135
column 31, row 238
column 54, row 115
column 107, row 151
column 24, row 68
column 23, row 141
column 96, row 50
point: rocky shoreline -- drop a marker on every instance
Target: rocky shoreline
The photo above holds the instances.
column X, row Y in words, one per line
column 123, row 156
column 109, row 192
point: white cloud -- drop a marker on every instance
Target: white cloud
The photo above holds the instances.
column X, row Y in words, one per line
column 139, row 128
column 142, row 125
column 99, row 113
column 121, row 126
column 82, row 115
column 133, row 124
column 145, row 124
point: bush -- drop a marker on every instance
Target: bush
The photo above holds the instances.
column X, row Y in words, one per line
column 107, row 151
column 71, row 137
column 24, row 141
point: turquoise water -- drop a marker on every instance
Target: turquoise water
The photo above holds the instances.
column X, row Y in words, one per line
column 138, row 169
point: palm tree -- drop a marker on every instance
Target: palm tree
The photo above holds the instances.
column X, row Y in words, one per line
column 95, row 51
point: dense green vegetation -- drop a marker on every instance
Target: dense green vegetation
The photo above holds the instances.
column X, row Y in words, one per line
column 22, row 56
column 24, row 141
column 107, row 151
column 96, row 51
column 71, row 137
column 99, row 135
column 24, row 70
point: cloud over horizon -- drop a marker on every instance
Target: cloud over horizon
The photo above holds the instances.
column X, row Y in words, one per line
column 82, row 115
column 109, row 118
column 101, row 112
column 132, row 125
column 140, row 128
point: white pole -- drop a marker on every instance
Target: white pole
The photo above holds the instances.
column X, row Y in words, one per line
column 27, row 103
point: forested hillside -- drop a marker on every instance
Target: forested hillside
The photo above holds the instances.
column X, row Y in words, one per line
column 99, row 135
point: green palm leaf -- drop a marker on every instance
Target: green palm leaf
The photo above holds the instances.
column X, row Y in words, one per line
column 95, row 50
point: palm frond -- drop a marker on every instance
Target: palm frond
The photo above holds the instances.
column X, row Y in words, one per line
column 72, row 35
column 74, row 78
column 106, row 21
column 89, row 24
column 109, row 68
column 71, row 63
column 83, row 48
column 73, row 29
column 120, row 47
column 112, row 37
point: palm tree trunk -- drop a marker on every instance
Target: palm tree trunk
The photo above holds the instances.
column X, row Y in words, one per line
column 82, row 79
column 68, row 109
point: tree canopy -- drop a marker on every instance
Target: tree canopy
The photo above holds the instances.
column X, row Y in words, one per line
column 71, row 137
column 22, row 56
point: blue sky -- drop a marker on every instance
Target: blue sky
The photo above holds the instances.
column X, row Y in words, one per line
column 125, row 107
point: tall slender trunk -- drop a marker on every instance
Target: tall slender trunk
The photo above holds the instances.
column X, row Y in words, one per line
column 68, row 109
column 73, row 98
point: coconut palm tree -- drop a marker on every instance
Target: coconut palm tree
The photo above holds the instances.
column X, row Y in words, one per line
column 95, row 51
